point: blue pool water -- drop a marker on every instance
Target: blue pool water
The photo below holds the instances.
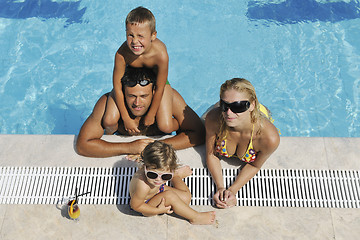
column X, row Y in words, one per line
column 303, row 56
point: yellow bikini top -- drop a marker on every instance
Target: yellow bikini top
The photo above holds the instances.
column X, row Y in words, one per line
column 249, row 156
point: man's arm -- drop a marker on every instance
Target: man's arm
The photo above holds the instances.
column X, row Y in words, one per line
column 90, row 144
column 192, row 131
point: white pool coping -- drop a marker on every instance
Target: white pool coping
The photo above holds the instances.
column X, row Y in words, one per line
column 111, row 222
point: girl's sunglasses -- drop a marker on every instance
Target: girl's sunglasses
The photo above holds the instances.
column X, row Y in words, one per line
column 235, row 107
column 154, row 175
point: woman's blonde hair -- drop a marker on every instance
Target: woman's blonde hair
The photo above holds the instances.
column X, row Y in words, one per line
column 141, row 15
column 240, row 85
column 159, row 155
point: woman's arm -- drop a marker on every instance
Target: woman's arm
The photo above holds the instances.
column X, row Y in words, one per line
column 212, row 161
column 268, row 143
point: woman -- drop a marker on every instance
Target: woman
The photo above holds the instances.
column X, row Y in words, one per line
column 242, row 128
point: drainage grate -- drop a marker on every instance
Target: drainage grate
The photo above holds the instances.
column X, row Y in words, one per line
column 270, row 187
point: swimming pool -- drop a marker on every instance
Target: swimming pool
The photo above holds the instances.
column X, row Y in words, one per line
column 302, row 56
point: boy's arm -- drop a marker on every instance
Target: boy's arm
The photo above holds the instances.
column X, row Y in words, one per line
column 90, row 144
column 118, row 73
column 162, row 74
column 191, row 131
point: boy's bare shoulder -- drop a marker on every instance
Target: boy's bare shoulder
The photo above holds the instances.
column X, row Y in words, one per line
column 159, row 49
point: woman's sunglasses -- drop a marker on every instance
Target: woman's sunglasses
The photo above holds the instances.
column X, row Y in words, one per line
column 154, row 175
column 132, row 83
column 235, row 107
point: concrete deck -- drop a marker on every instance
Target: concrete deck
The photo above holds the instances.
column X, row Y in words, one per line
column 119, row 222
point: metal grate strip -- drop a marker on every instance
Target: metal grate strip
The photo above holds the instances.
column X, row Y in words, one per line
column 270, row 187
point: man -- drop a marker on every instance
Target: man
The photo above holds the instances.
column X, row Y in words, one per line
column 138, row 88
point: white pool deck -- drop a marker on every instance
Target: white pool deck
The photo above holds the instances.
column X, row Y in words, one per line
column 118, row 222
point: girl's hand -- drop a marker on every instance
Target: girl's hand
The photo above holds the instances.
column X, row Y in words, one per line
column 163, row 209
column 149, row 120
column 131, row 126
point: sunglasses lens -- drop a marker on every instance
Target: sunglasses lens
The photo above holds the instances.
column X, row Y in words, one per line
column 239, row 107
column 144, row 82
column 130, row 83
column 166, row 177
column 223, row 106
column 235, row 107
column 151, row 175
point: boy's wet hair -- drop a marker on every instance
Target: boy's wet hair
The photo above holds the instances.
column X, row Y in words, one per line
column 132, row 75
column 141, row 15
column 159, row 155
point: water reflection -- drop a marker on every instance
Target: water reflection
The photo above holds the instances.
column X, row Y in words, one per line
column 42, row 9
column 295, row 11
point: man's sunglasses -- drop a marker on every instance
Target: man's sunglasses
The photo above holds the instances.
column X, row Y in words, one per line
column 235, row 107
column 154, row 175
column 132, row 83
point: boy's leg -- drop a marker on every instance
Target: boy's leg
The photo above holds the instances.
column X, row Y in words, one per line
column 164, row 119
column 111, row 115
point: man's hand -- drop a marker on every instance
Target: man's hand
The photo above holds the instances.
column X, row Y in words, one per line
column 137, row 146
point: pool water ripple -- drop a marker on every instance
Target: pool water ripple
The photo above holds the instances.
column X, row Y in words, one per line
column 306, row 70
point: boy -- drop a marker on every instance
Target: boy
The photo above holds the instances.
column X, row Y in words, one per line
column 141, row 49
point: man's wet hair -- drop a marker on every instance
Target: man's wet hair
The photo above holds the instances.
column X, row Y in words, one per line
column 135, row 75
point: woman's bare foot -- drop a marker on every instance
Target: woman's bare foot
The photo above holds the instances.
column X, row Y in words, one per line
column 204, row 218
column 183, row 171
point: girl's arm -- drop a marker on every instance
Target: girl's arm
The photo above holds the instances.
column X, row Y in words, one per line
column 162, row 63
column 138, row 199
column 118, row 73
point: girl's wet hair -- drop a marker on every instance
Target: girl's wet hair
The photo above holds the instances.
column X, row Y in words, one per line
column 159, row 155
column 141, row 15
